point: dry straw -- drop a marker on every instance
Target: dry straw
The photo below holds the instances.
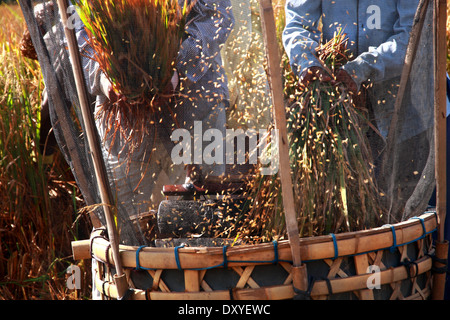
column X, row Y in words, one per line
column 38, row 200
column 331, row 162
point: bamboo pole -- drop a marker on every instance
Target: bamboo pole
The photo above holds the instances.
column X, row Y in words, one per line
column 94, row 146
column 81, row 249
column 440, row 83
column 274, row 72
column 440, row 87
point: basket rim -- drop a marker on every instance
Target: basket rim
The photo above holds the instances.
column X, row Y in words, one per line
column 312, row 248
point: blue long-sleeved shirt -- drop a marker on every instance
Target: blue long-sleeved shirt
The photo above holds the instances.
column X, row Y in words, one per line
column 199, row 63
column 378, row 32
column 208, row 26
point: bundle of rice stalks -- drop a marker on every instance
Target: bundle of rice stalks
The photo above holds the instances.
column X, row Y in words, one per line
column 136, row 44
column 331, row 162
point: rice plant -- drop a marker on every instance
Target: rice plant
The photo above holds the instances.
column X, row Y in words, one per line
column 38, row 200
column 331, row 162
column 136, row 44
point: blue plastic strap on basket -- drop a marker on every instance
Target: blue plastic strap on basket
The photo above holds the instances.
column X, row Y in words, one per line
column 422, row 222
column 224, row 253
column 275, row 251
column 177, row 257
column 138, row 265
column 394, row 238
column 336, row 251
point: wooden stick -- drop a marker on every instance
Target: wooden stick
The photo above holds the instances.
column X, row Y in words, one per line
column 94, row 145
column 439, row 277
column 276, row 86
column 440, row 112
column 440, row 84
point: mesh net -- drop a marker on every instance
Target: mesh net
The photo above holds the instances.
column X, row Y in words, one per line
column 407, row 161
column 406, row 174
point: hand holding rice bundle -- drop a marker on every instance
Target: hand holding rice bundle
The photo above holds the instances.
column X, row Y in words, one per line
column 331, row 160
column 136, row 44
column 334, row 174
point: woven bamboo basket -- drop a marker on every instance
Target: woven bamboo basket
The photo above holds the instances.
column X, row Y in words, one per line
column 389, row 262
column 337, row 264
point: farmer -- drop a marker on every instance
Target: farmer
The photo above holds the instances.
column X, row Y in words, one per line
column 201, row 81
column 378, row 33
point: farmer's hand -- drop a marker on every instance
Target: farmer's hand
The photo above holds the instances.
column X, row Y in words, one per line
column 314, row 73
column 343, row 77
column 108, row 90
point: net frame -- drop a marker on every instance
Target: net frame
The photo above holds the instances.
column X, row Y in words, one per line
column 60, row 84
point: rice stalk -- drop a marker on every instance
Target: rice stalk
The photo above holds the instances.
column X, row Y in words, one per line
column 331, row 163
column 36, row 199
column 136, row 44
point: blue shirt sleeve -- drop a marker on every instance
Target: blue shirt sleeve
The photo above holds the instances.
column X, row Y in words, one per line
column 384, row 61
column 301, row 35
column 208, row 27
column 387, row 60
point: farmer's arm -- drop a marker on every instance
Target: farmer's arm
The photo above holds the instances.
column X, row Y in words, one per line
column 97, row 83
column 301, row 36
column 386, row 61
column 207, row 31
column 91, row 69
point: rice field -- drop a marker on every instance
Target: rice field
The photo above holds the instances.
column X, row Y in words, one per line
column 38, row 197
